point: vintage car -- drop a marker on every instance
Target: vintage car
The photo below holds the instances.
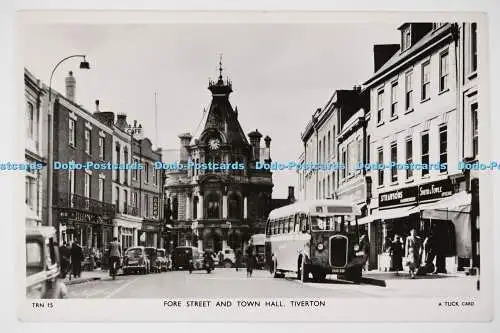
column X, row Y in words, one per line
column 151, row 253
column 135, row 260
column 162, row 260
column 42, row 265
column 185, row 256
column 226, row 258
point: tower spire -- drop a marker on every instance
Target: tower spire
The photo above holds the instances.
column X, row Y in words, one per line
column 220, row 67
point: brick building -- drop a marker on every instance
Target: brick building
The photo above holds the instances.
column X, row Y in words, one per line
column 82, row 199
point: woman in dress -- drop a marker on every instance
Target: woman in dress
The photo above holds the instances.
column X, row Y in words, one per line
column 413, row 252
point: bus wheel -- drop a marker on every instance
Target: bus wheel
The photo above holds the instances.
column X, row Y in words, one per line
column 319, row 276
column 354, row 274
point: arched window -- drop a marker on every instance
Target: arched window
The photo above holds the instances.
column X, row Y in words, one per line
column 234, row 205
column 213, row 206
column 175, row 208
column 195, row 207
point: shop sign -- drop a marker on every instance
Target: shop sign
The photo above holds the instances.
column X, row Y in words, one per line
column 82, row 217
column 150, row 227
column 435, row 190
column 407, row 195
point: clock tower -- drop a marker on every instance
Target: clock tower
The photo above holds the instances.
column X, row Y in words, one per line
column 218, row 207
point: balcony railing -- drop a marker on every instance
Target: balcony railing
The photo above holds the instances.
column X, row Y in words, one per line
column 75, row 201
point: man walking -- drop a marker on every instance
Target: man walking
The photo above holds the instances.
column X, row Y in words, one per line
column 76, row 259
column 64, row 254
column 115, row 253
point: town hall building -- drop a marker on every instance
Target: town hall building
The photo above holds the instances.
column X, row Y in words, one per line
column 219, row 208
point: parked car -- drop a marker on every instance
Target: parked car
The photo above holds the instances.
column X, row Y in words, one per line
column 151, row 253
column 42, row 265
column 135, row 260
column 228, row 258
column 161, row 260
column 184, row 256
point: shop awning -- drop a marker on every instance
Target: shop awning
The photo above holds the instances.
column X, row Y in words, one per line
column 387, row 214
column 445, row 208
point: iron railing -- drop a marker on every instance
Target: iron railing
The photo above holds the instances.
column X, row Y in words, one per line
column 79, row 202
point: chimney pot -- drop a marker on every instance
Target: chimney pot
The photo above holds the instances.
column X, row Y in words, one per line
column 70, row 86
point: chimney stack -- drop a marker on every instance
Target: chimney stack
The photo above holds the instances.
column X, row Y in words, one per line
column 97, row 106
column 185, row 141
column 255, row 143
column 121, row 121
column 70, row 86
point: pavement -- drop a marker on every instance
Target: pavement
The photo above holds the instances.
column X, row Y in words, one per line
column 230, row 283
column 88, row 276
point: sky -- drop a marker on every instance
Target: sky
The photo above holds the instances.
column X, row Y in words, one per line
column 281, row 73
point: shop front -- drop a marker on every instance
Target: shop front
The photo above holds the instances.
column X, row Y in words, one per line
column 126, row 228
column 434, row 207
column 149, row 235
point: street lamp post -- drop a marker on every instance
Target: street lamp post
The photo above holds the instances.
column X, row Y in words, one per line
column 132, row 130
column 83, row 65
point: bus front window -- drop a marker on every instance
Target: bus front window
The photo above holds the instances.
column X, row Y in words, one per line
column 318, row 223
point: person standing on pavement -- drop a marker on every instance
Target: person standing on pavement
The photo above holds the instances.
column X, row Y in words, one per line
column 64, row 254
column 435, row 251
column 76, row 259
column 237, row 258
column 396, row 253
column 250, row 258
column 413, row 252
column 115, row 253
column 364, row 248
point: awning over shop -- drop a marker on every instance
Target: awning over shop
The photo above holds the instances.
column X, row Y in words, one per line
column 446, row 208
column 387, row 214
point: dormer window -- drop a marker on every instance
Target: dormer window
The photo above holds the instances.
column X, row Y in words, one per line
column 406, row 39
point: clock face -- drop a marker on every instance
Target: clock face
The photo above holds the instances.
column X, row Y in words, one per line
column 214, row 144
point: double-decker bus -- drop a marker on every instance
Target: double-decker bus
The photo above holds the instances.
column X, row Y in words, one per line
column 317, row 238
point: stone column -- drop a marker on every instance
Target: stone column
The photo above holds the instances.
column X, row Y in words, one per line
column 136, row 237
column 200, row 206
column 224, row 206
column 200, row 244
column 224, row 243
column 245, row 207
column 115, row 231
column 155, row 239
column 188, row 207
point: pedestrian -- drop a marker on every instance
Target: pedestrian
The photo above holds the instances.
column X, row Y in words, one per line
column 364, row 247
column 76, row 259
column 115, row 253
column 413, row 252
column 237, row 258
column 250, row 252
column 64, row 254
column 436, row 251
column 396, row 253
column 221, row 258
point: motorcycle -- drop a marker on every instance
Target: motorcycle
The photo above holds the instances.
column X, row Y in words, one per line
column 208, row 264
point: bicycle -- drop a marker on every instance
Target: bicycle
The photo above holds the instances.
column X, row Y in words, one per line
column 113, row 268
